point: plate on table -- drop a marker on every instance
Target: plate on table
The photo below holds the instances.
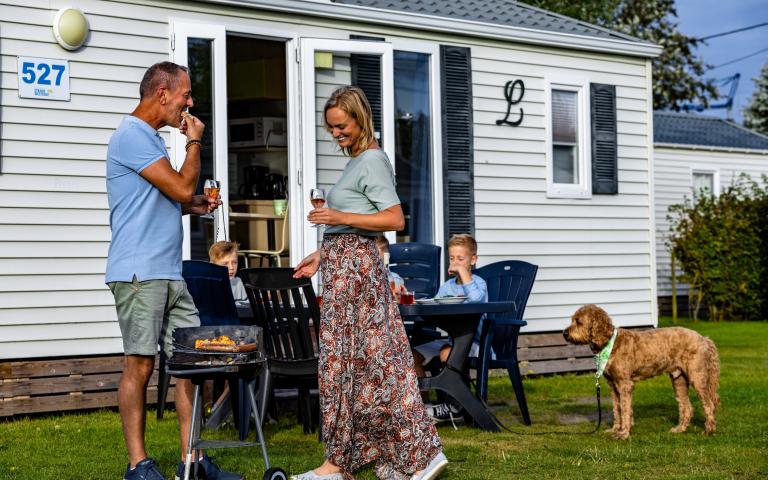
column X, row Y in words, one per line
column 425, row 301
column 450, row 300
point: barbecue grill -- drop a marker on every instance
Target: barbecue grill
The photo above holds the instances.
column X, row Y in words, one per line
column 199, row 366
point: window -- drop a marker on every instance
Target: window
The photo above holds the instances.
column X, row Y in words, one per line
column 416, row 151
column 568, row 171
column 704, row 182
column 413, row 141
column 565, row 145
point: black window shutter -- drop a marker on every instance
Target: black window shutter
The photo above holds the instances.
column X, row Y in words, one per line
column 458, row 151
column 366, row 74
column 605, row 171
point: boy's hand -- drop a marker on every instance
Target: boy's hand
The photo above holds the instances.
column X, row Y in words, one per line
column 398, row 292
column 461, row 272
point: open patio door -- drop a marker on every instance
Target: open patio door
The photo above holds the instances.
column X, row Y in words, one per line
column 325, row 66
column 202, row 48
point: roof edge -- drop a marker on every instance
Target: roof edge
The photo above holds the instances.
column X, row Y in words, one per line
column 712, row 148
column 586, row 24
column 433, row 23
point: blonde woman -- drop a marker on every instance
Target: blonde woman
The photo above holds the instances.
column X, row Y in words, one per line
column 369, row 398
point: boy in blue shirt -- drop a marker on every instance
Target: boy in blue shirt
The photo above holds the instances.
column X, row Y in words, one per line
column 462, row 256
column 225, row 254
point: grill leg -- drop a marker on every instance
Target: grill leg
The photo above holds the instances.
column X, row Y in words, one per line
column 265, row 384
column 259, row 434
column 196, row 418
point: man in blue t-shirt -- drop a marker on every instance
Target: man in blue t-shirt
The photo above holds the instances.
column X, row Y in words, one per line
column 147, row 199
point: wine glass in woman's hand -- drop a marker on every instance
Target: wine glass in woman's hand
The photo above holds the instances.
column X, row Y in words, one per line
column 317, row 198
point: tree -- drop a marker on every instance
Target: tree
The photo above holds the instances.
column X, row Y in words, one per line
column 720, row 244
column 756, row 113
column 599, row 12
column 677, row 71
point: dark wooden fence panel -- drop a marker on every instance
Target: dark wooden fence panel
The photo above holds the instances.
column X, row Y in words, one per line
column 53, row 385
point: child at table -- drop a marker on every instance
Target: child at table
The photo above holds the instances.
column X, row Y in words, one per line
column 225, row 254
column 397, row 284
column 462, row 256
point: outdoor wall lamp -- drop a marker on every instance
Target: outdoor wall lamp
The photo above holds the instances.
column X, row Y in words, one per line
column 70, row 27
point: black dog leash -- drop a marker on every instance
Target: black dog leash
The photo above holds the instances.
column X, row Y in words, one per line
column 556, row 432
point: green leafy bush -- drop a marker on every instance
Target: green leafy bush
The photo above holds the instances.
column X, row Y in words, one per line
column 721, row 247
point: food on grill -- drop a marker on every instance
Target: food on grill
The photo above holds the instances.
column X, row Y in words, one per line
column 223, row 344
column 218, row 341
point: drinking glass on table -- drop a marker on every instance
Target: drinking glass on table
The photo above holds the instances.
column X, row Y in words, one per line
column 211, row 189
column 317, row 198
column 407, row 297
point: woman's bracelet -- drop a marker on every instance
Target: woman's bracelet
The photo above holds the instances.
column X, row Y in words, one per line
column 193, row 142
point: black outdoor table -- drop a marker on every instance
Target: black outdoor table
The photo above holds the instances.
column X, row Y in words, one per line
column 460, row 321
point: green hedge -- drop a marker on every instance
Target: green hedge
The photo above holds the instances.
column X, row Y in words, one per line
column 720, row 245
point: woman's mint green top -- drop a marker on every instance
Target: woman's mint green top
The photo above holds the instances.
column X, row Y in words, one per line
column 367, row 185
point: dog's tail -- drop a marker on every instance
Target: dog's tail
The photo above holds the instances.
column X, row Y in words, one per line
column 712, row 363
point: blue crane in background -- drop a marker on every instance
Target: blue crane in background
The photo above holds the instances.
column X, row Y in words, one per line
column 733, row 80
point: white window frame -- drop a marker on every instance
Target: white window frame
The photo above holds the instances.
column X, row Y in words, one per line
column 218, row 30
column 180, row 31
column 297, row 223
column 433, row 50
column 715, row 172
column 582, row 189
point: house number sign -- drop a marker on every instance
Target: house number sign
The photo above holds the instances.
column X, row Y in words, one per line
column 43, row 78
column 510, row 90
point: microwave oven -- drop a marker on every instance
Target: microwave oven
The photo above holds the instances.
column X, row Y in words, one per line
column 258, row 132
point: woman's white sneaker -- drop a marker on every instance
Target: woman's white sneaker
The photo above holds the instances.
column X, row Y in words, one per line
column 434, row 469
column 311, row 475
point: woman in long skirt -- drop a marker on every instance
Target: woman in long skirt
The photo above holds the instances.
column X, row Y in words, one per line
column 369, row 398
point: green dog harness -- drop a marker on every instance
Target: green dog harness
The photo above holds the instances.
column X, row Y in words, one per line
column 601, row 359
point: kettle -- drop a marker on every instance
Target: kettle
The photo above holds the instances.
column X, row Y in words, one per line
column 275, row 184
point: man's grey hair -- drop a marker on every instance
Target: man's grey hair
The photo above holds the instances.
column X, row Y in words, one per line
column 159, row 75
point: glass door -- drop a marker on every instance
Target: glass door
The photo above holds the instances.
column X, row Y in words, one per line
column 325, row 66
column 418, row 138
column 202, row 48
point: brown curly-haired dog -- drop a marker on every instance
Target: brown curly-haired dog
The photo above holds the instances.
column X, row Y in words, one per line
column 685, row 355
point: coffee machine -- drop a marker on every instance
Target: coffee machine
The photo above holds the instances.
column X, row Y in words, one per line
column 255, row 184
column 276, row 185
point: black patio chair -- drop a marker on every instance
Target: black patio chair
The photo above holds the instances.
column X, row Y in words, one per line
column 418, row 264
column 509, row 280
column 286, row 309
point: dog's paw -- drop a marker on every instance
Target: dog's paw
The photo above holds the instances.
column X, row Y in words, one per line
column 621, row 434
column 678, row 429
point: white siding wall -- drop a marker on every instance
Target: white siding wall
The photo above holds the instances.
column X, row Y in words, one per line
column 589, row 251
column 54, row 220
column 673, row 181
column 330, row 159
column 54, row 229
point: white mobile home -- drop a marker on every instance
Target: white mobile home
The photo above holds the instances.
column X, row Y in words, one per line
column 693, row 152
column 528, row 129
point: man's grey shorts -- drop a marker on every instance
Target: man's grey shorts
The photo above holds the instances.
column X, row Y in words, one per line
column 149, row 311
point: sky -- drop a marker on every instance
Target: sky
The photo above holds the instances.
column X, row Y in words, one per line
column 701, row 18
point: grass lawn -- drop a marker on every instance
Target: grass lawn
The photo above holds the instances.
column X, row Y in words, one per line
column 90, row 445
